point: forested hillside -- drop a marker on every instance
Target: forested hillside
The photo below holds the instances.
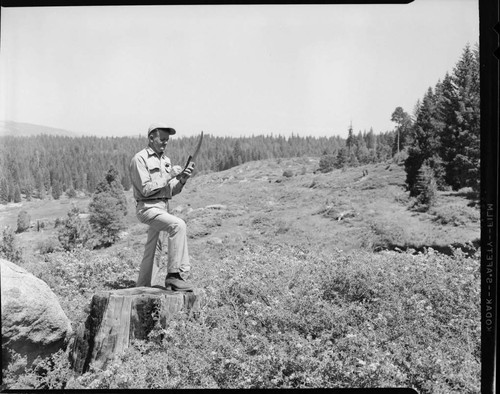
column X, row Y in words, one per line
column 51, row 165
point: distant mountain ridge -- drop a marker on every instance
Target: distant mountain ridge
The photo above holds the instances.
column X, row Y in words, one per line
column 20, row 129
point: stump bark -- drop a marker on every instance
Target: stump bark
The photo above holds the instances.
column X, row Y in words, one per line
column 117, row 317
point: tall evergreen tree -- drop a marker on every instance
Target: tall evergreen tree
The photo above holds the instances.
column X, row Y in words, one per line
column 107, row 208
column 403, row 125
column 342, row 157
column 28, row 191
column 12, row 191
column 17, row 194
column 350, row 140
column 461, row 133
column 425, row 136
column 23, row 221
column 56, row 190
column 4, row 191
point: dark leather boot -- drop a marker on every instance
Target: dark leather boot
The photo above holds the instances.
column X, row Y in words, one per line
column 174, row 282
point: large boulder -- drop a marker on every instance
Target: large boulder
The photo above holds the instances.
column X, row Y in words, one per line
column 33, row 322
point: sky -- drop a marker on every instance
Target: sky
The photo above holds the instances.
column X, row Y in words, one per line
column 229, row 70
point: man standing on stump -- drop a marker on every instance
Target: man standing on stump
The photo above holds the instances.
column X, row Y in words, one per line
column 155, row 181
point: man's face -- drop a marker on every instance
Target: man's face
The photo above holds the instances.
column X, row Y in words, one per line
column 158, row 141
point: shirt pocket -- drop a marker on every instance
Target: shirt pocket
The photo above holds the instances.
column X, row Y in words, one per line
column 154, row 170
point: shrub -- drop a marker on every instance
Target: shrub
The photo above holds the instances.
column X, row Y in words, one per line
column 455, row 214
column 49, row 245
column 288, row 173
column 426, row 187
column 23, row 221
column 71, row 193
column 279, row 316
column 75, row 231
column 327, row 163
column 8, row 248
column 400, row 157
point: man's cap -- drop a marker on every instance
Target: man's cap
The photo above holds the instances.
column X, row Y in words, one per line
column 160, row 126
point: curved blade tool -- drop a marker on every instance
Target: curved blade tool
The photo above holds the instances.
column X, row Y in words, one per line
column 197, row 150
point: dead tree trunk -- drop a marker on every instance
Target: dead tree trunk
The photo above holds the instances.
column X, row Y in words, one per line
column 119, row 316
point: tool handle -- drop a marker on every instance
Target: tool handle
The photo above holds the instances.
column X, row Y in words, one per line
column 188, row 161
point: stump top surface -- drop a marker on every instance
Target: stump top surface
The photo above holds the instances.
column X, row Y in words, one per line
column 137, row 291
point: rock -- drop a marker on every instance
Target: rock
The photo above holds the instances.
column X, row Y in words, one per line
column 216, row 206
column 177, row 210
column 117, row 317
column 33, row 322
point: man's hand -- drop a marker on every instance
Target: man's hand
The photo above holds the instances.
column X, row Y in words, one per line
column 186, row 174
column 175, row 170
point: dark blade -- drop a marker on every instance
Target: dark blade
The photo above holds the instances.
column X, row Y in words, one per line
column 195, row 154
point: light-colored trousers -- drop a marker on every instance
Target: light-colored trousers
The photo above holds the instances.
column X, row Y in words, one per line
column 155, row 215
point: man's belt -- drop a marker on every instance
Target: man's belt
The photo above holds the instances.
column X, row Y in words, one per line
column 153, row 199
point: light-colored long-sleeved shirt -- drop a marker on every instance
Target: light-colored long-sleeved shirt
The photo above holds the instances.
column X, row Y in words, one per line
column 151, row 176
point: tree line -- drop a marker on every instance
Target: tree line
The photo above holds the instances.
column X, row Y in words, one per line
column 442, row 138
column 47, row 165
column 438, row 143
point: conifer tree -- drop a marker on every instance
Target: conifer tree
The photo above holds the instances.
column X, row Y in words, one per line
column 403, row 125
column 23, row 221
column 350, row 140
column 4, row 191
column 75, row 231
column 107, row 209
column 327, row 163
column 342, row 158
column 17, row 194
column 28, row 191
column 71, row 193
column 56, row 190
column 461, row 113
column 425, row 136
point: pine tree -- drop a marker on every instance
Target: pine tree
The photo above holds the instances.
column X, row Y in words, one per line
column 425, row 140
column 403, row 125
column 28, row 191
column 362, row 153
column 107, row 209
column 71, row 193
column 23, row 221
column 12, row 191
column 342, row 158
column 4, row 191
column 350, row 141
column 75, row 231
column 461, row 112
column 56, row 190
column 353, row 160
column 17, row 194
column 327, row 163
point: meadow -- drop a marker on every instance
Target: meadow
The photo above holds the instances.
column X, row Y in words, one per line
column 311, row 280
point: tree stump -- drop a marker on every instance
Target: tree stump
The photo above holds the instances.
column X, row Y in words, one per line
column 119, row 316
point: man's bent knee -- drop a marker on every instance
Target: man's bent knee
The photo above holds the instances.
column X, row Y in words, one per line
column 178, row 226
